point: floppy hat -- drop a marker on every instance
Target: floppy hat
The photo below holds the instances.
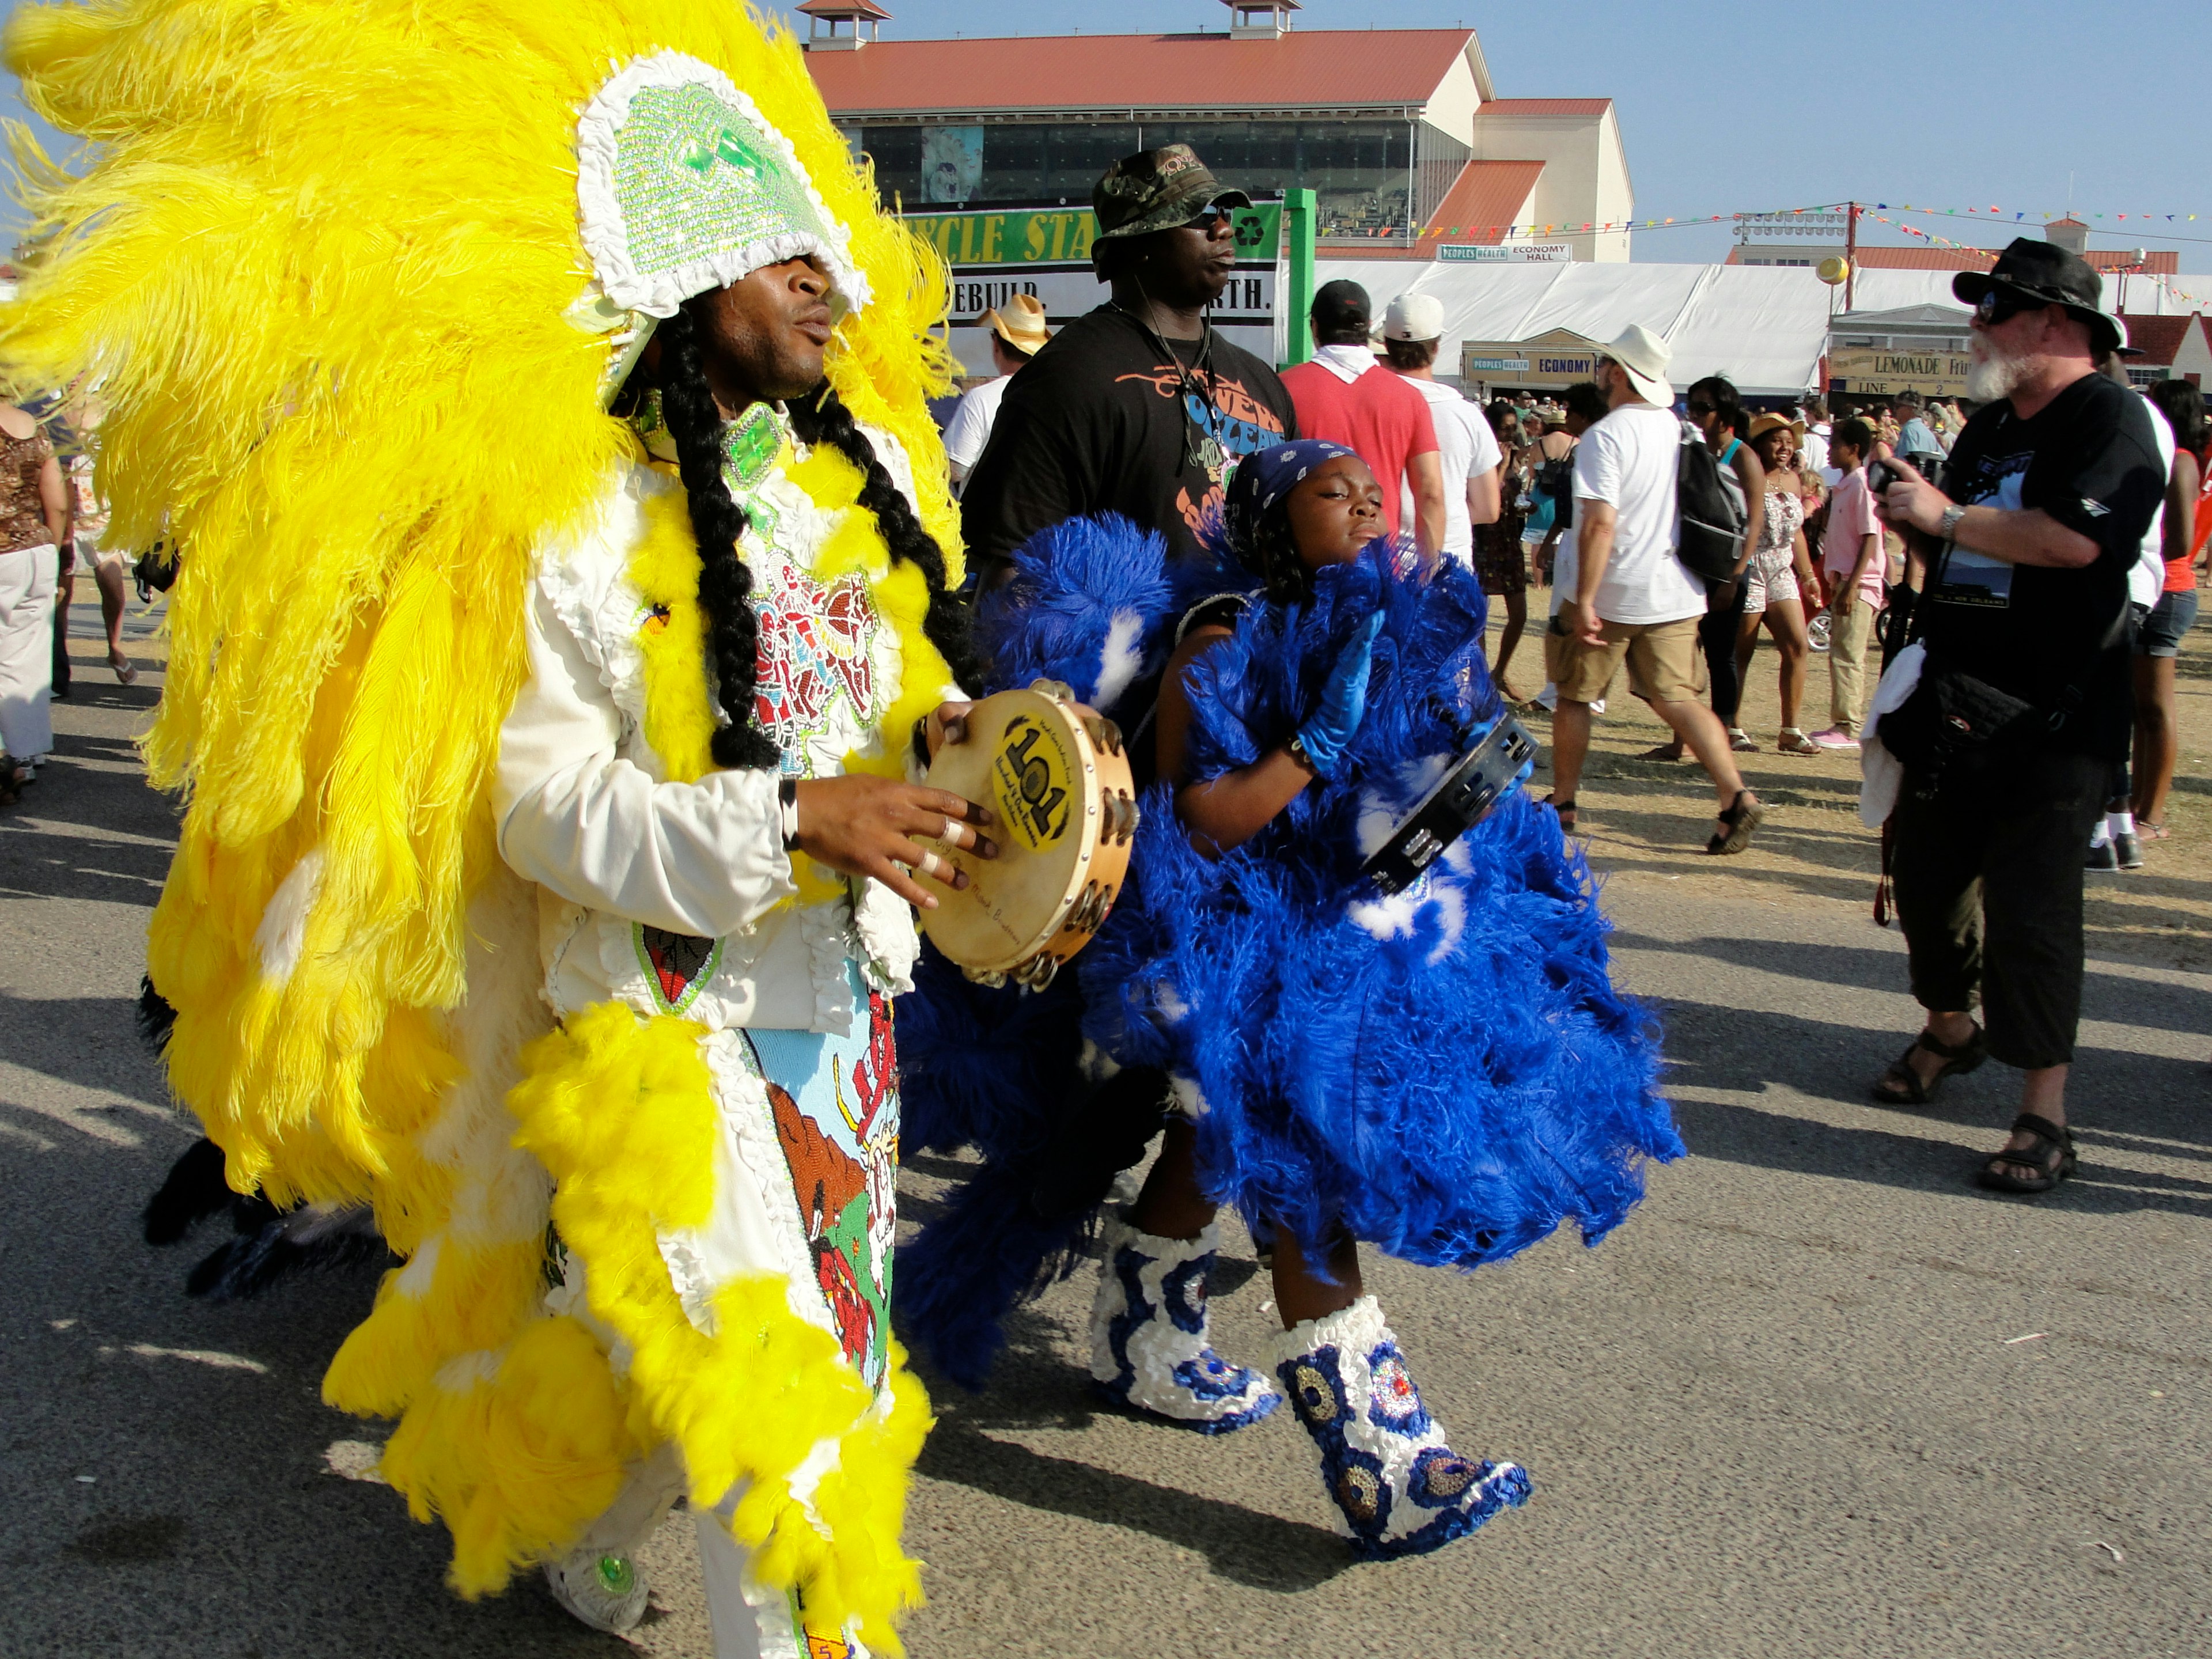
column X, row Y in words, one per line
column 1643, row 357
column 1769, row 422
column 2045, row 274
column 1414, row 317
column 1157, row 190
column 1019, row 323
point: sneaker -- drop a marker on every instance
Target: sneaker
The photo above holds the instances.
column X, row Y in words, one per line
column 2101, row 857
column 2130, row 850
column 1837, row 741
column 606, row 1592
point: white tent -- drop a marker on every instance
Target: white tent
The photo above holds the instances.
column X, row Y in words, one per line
column 1763, row 326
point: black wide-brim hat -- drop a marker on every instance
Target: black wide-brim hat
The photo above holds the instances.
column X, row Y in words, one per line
column 2045, row 274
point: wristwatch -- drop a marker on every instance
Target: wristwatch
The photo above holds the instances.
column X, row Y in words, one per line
column 1949, row 526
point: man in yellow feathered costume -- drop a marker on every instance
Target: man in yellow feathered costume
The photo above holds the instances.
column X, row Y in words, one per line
column 536, row 394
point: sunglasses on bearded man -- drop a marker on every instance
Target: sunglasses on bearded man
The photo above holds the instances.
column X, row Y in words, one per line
column 1997, row 307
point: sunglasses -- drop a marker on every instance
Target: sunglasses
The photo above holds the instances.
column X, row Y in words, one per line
column 1207, row 216
column 1995, row 307
column 1697, row 407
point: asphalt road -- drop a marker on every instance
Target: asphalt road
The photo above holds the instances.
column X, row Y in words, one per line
column 1818, row 1397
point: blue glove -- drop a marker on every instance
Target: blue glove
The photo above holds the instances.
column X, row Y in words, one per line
column 1330, row 730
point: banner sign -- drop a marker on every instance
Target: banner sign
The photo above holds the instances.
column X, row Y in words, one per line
column 1497, row 364
column 1044, row 250
column 1863, row 369
column 1507, row 254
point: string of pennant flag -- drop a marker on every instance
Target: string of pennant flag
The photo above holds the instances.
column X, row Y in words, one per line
column 1873, row 210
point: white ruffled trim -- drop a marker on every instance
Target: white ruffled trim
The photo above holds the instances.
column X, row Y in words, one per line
column 828, row 932
column 1358, row 1328
column 889, row 942
column 606, row 237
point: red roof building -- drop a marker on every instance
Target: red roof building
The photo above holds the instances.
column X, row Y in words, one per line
column 1396, row 130
column 2173, row 348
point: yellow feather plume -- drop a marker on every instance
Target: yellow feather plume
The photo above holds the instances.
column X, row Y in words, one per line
column 320, row 259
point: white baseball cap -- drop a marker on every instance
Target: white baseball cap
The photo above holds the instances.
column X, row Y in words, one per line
column 1414, row 317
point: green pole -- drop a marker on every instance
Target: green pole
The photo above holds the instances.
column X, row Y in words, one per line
column 1299, row 212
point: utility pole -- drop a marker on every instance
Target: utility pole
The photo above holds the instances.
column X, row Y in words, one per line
column 1851, row 255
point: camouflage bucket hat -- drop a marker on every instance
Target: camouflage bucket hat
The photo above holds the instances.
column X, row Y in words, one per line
column 1157, row 190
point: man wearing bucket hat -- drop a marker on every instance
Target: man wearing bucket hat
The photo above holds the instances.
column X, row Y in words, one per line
column 1137, row 408
column 1018, row 331
column 1633, row 599
column 2023, row 625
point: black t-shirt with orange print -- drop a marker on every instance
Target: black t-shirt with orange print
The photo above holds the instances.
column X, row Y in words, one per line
column 1095, row 423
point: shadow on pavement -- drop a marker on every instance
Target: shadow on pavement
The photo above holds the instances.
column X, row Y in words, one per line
column 1035, row 1386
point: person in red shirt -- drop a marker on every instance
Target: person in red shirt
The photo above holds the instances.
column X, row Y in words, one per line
column 1340, row 396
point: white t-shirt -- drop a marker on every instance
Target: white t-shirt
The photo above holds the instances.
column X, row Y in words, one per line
column 2147, row 580
column 1628, row 460
column 1466, row 448
column 1815, row 457
column 969, row 428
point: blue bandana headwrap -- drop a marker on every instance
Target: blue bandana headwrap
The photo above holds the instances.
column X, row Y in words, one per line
column 1266, row 475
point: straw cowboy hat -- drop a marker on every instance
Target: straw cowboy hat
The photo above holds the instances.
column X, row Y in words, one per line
column 1020, row 322
column 1645, row 358
column 1768, row 421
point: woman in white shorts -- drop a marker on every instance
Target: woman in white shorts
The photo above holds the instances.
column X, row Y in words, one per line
column 1772, row 593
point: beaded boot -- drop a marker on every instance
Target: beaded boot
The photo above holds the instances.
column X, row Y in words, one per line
column 1148, row 1346
column 1398, row 1489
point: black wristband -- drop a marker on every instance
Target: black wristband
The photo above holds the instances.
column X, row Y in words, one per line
column 922, row 741
column 787, row 796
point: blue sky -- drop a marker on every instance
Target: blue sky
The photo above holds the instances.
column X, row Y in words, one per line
column 1727, row 107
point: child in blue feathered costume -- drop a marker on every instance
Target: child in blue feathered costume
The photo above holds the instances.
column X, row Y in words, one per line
column 1445, row 1073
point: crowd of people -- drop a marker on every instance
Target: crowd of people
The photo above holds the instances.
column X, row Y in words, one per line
column 1821, row 570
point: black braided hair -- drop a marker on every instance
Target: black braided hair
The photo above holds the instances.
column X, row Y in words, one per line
column 821, row 417
column 1270, row 552
column 726, row 582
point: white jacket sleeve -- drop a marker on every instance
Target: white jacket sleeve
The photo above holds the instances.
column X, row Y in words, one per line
column 704, row 859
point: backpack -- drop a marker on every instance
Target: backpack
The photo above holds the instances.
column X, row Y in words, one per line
column 1711, row 518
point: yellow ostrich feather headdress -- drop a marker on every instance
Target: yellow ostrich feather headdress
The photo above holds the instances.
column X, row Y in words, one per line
column 327, row 258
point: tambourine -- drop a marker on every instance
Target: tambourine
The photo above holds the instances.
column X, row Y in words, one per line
column 1468, row 792
column 1054, row 775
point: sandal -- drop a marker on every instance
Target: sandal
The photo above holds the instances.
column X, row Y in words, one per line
column 1795, row 741
column 126, row 672
column 1566, row 809
column 1740, row 740
column 2047, row 1138
column 1742, row 815
column 2150, row 829
column 1666, row 752
column 1900, row 1086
